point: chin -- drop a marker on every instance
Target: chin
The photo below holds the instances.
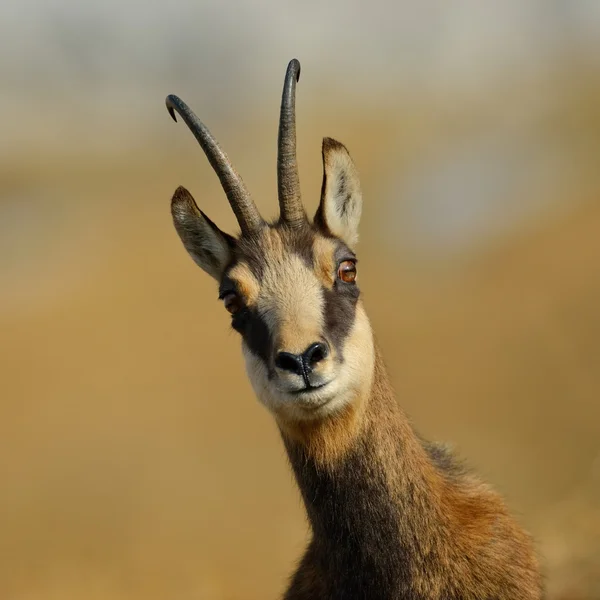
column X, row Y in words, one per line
column 299, row 405
column 308, row 404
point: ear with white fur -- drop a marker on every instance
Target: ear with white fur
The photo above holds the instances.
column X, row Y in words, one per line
column 341, row 198
column 210, row 247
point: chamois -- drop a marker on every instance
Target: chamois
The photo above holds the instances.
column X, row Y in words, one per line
column 392, row 516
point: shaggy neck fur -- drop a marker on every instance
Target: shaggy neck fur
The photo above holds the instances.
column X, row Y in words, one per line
column 393, row 517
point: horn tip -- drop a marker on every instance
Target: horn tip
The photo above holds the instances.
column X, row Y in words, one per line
column 294, row 67
column 170, row 102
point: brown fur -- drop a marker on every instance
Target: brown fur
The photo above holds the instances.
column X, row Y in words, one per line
column 453, row 535
column 325, row 439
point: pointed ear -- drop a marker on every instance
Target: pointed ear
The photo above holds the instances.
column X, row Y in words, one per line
column 341, row 197
column 210, row 247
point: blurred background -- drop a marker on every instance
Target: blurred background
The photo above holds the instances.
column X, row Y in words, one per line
column 134, row 460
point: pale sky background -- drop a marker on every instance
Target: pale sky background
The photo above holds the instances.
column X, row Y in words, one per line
column 105, row 67
column 436, row 45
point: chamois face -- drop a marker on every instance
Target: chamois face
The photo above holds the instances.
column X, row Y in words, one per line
column 293, row 295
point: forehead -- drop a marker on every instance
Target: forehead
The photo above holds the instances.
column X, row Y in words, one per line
column 279, row 256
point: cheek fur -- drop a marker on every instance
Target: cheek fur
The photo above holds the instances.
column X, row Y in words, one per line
column 359, row 353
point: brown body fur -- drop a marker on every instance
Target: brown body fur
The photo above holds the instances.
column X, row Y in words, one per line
column 451, row 536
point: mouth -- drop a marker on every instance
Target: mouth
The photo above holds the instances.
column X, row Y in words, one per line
column 308, row 389
column 311, row 398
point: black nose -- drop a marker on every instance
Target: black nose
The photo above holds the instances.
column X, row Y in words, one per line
column 289, row 362
column 304, row 363
column 314, row 354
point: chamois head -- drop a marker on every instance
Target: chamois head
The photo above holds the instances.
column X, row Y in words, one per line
column 289, row 285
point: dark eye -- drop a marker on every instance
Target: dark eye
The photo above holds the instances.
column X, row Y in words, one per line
column 232, row 302
column 347, row 271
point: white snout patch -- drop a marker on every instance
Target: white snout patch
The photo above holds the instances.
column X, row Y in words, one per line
column 347, row 380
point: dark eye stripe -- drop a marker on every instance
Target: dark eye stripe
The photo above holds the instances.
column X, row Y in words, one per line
column 339, row 312
column 256, row 333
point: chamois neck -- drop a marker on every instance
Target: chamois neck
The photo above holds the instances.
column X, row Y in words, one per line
column 395, row 517
column 380, row 471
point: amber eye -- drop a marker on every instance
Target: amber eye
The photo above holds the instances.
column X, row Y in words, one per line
column 347, row 271
column 232, row 302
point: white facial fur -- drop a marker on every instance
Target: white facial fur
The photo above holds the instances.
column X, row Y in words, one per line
column 348, row 379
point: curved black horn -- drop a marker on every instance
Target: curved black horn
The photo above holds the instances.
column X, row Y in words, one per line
column 241, row 202
column 288, row 182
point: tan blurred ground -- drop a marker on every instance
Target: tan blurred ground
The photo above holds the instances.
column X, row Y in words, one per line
column 135, row 462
